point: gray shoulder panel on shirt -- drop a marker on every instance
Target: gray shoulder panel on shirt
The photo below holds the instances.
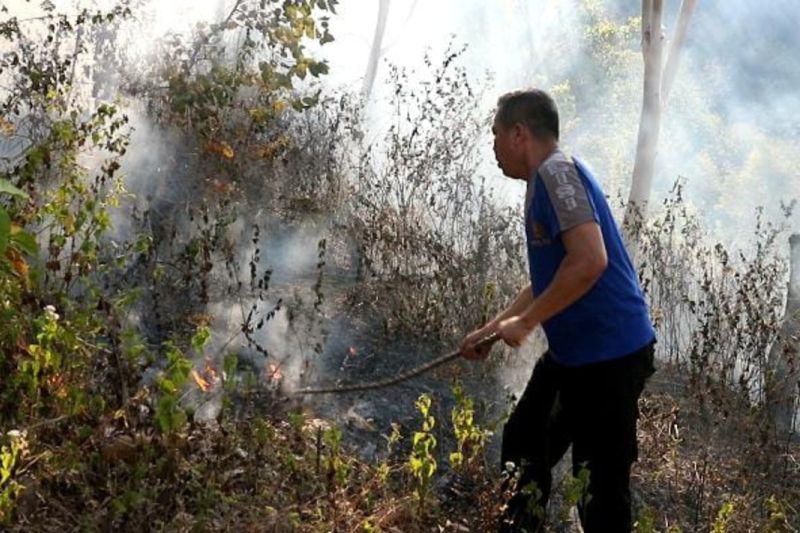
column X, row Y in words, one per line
column 567, row 193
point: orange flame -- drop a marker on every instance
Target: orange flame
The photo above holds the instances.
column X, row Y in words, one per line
column 211, row 374
column 274, row 372
column 204, row 385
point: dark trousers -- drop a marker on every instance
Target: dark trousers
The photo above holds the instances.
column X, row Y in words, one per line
column 594, row 408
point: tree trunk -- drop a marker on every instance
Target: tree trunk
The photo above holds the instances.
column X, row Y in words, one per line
column 650, row 120
column 657, row 88
column 377, row 43
column 783, row 380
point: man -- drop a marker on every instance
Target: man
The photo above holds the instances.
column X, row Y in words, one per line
column 584, row 291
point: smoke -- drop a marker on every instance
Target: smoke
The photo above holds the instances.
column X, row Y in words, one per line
column 728, row 131
column 740, row 75
column 162, row 170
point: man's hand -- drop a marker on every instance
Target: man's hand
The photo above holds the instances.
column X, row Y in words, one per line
column 468, row 348
column 514, row 330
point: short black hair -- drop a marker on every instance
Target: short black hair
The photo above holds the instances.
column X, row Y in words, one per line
column 533, row 108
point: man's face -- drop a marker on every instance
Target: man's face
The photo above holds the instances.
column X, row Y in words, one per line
column 507, row 149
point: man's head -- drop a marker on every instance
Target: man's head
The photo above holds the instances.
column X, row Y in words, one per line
column 525, row 131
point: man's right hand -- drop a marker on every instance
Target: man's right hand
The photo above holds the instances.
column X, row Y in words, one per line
column 468, row 348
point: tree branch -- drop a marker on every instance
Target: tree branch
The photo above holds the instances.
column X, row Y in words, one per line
column 674, row 57
column 375, row 53
column 207, row 39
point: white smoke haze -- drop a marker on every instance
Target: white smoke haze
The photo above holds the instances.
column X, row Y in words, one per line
column 729, row 130
column 724, row 87
column 727, row 135
column 542, row 43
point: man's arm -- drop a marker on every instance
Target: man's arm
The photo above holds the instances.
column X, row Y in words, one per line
column 521, row 302
column 584, row 263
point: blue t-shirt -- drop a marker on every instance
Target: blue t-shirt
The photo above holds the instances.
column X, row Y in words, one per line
column 609, row 321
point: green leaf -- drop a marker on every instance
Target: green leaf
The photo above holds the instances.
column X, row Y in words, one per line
column 317, row 68
column 5, row 229
column 26, row 242
column 9, row 188
column 167, row 385
column 201, row 338
column 456, row 459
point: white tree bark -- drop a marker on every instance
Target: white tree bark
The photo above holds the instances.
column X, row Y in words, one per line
column 376, row 52
column 650, row 119
column 658, row 83
column 674, row 56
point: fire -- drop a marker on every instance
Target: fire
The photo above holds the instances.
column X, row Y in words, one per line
column 211, row 374
column 207, row 379
column 204, row 385
column 57, row 384
column 274, row 372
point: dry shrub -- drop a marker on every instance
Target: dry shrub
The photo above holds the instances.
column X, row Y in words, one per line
column 438, row 252
column 711, row 450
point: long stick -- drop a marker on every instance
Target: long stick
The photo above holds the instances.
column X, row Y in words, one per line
column 483, row 343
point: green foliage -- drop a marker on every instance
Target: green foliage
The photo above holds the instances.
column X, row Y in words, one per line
column 13, row 240
column 171, row 417
column 48, row 193
column 7, row 188
column 264, row 432
column 422, row 462
column 9, row 487
column 723, row 518
column 177, row 370
column 200, row 339
column 394, row 437
column 268, row 61
column 576, row 489
column 779, row 513
column 534, row 500
column 338, row 468
column 134, row 348
column 296, row 420
column 645, row 521
column 470, row 437
column 45, row 358
column 368, row 527
column 230, row 362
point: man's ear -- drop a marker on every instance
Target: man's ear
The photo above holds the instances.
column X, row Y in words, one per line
column 519, row 132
